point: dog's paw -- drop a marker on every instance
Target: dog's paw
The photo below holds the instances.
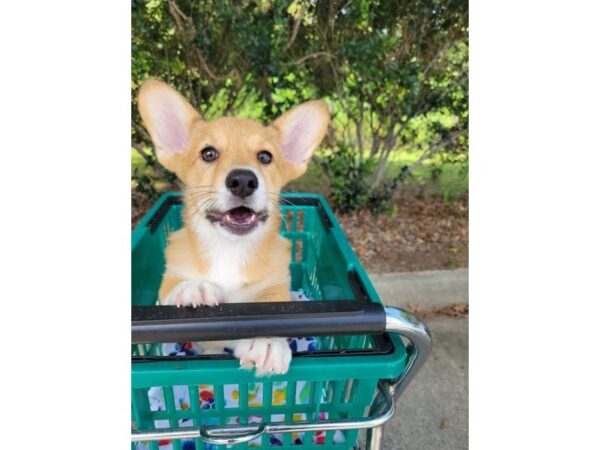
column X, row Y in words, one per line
column 270, row 356
column 195, row 293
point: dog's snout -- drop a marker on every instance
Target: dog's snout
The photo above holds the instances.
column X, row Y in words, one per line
column 242, row 183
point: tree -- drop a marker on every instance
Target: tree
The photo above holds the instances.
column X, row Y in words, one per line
column 400, row 77
column 394, row 71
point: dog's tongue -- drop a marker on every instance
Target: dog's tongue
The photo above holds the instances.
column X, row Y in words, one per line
column 240, row 217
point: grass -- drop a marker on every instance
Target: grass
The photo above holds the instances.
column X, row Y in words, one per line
column 137, row 161
column 448, row 180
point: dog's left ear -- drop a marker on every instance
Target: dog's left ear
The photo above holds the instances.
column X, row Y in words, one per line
column 301, row 129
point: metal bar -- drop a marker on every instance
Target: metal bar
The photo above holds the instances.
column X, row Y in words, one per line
column 419, row 347
column 233, row 434
column 248, row 320
column 166, row 433
column 375, row 438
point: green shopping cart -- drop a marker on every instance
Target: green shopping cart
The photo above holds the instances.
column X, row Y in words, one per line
column 362, row 354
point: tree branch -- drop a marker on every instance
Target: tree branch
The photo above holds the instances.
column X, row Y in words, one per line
column 187, row 32
column 297, row 24
column 138, row 148
column 432, row 151
column 143, row 132
column 307, row 57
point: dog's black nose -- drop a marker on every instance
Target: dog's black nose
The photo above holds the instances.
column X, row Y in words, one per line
column 242, row 183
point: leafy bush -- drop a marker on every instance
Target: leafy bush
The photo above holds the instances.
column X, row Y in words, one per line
column 347, row 176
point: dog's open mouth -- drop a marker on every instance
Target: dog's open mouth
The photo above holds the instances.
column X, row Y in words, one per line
column 240, row 220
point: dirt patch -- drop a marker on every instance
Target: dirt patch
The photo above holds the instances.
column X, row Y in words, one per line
column 423, row 234
column 456, row 311
column 140, row 204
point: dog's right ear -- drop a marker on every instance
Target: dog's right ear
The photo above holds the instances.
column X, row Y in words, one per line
column 168, row 117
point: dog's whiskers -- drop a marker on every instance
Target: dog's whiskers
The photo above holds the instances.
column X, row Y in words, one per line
column 201, row 205
column 278, row 197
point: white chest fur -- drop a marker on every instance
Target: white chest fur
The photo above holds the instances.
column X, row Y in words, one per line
column 226, row 260
column 226, row 257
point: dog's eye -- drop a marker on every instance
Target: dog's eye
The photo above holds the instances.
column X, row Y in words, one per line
column 209, row 154
column 264, row 157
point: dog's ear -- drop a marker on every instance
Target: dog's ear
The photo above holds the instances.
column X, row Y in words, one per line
column 301, row 129
column 168, row 117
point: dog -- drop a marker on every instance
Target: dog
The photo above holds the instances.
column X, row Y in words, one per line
column 232, row 169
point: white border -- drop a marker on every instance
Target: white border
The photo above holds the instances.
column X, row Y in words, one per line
column 534, row 225
column 65, row 218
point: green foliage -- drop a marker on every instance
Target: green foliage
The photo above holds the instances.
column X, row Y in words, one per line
column 347, row 175
column 148, row 175
column 453, row 181
column 145, row 184
column 394, row 72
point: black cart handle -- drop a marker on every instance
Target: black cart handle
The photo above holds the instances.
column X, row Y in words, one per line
column 247, row 320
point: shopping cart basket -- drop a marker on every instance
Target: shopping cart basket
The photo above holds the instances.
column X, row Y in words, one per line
column 364, row 354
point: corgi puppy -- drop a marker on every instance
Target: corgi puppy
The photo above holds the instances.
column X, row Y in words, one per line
column 232, row 169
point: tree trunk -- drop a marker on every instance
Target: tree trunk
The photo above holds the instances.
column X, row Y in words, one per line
column 380, row 169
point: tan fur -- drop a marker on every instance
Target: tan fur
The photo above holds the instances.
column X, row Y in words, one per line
column 239, row 140
column 204, row 264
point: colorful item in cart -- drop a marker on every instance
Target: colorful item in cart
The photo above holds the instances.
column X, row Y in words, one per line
column 206, row 398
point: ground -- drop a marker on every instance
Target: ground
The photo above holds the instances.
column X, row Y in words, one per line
column 423, row 234
column 433, row 412
column 140, row 204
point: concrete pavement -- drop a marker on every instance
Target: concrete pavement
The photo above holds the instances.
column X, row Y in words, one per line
column 430, row 289
column 433, row 411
